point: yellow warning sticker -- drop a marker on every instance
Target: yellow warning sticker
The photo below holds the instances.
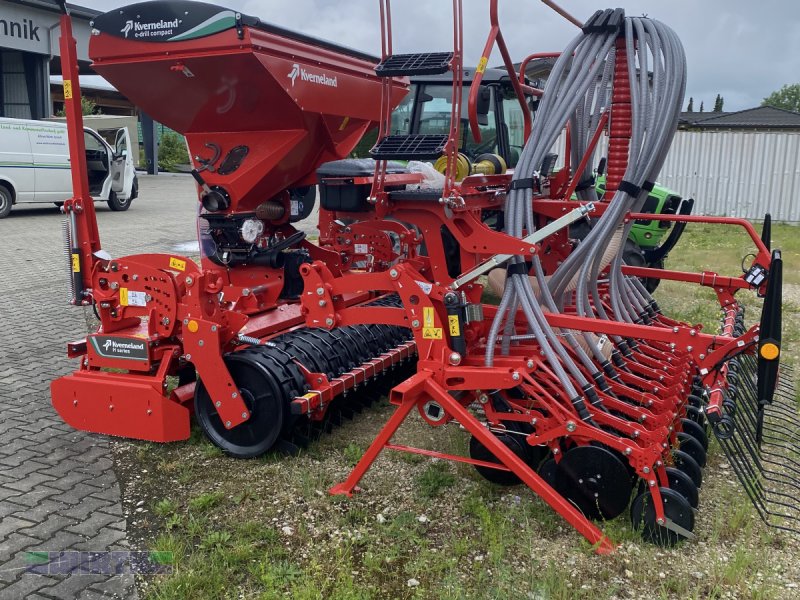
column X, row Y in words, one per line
column 428, row 316
column 482, row 64
column 123, row 296
column 452, row 321
column 177, row 264
column 345, row 121
column 309, row 396
column 431, row 333
column 76, row 263
column 67, row 89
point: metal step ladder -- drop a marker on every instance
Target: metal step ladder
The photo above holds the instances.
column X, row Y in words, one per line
column 417, row 146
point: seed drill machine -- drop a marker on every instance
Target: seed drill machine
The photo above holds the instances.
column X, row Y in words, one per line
column 573, row 382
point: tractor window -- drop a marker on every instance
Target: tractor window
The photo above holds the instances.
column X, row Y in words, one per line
column 401, row 117
column 515, row 123
column 434, row 117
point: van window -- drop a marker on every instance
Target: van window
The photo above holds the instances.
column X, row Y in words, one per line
column 92, row 143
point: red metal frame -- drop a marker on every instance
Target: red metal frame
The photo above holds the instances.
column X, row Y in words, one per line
column 496, row 36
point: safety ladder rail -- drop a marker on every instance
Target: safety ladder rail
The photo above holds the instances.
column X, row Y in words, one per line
column 496, row 37
column 423, row 146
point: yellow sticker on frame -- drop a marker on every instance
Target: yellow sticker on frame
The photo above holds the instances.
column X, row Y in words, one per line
column 452, row 322
column 177, row 264
column 431, row 333
column 67, row 89
column 428, row 316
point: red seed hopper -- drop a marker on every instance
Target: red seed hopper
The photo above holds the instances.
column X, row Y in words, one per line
column 241, row 87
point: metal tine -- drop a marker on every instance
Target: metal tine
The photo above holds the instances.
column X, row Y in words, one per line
column 754, row 487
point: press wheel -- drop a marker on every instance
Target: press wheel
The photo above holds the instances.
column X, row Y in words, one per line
column 263, row 399
column 514, row 442
column 676, row 508
column 683, row 462
column 696, row 431
column 595, row 480
column 692, row 447
column 683, row 484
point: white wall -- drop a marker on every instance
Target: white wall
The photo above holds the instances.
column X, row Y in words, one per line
column 739, row 174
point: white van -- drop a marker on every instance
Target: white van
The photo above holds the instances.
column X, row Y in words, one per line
column 35, row 165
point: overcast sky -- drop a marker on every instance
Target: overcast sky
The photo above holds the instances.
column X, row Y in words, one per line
column 742, row 49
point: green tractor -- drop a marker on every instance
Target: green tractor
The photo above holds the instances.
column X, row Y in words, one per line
column 650, row 240
column 426, row 109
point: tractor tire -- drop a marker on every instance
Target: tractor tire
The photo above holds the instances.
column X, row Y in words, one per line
column 6, row 201
column 633, row 256
column 116, row 204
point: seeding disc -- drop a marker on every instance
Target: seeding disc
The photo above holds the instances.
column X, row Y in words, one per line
column 696, row 431
column 693, row 448
column 696, row 415
column 683, row 484
column 676, row 509
column 688, row 465
column 262, row 398
column 595, row 480
column 516, row 443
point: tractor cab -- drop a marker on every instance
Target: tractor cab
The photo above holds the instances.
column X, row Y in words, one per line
column 426, row 110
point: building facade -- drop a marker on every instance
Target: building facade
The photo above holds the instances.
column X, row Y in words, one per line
column 29, row 54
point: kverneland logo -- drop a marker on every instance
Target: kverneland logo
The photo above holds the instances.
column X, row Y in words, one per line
column 318, row 78
column 153, row 29
column 124, row 347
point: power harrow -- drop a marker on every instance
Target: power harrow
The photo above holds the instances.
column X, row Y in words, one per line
column 574, row 383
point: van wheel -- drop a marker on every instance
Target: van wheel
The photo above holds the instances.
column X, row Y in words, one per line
column 5, row 202
column 135, row 188
column 115, row 204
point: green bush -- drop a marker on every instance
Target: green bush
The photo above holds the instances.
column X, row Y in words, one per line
column 172, row 151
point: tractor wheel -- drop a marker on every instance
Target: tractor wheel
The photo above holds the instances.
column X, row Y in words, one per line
column 676, row 509
column 264, row 399
column 633, row 256
column 651, row 283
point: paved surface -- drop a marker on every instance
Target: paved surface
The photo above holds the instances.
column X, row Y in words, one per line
column 58, row 490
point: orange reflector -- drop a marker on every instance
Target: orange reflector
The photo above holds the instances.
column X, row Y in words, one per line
column 770, row 351
column 193, row 326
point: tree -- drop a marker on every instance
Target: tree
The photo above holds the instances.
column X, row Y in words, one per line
column 172, row 151
column 690, row 108
column 88, row 107
column 718, row 103
column 701, row 106
column 788, row 98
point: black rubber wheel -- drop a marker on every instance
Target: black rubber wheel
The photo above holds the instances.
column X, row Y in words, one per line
column 116, row 204
column 515, row 443
column 688, row 465
column 683, row 484
column 696, row 415
column 134, row 189
column 265, row 401
column 693, row 448
column 6, row 202
column 652, row 283
column 676, row 508
column 696, row 431
column 595, row 480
